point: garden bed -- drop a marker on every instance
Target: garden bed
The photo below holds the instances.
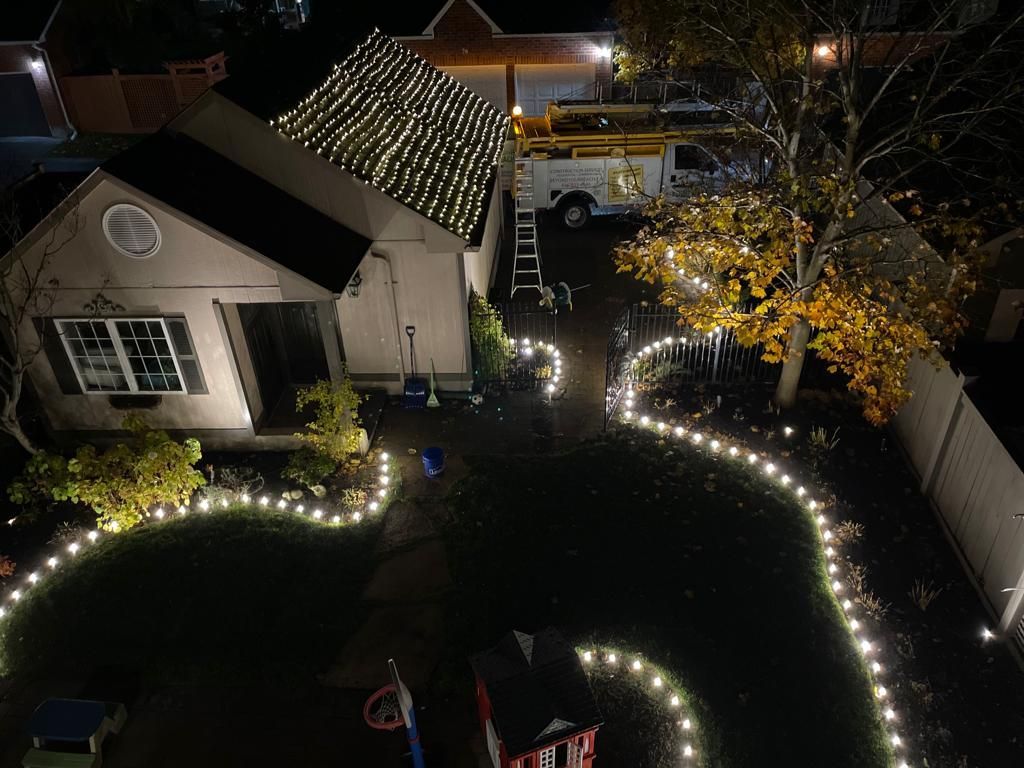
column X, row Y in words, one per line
column 687, row 558
column 964, row 697
column 241, row 594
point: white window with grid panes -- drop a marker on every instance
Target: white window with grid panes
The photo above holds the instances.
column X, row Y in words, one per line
column 125, row 355
column 547, row 758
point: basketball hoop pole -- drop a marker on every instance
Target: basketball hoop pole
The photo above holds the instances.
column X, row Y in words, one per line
column 408, row 714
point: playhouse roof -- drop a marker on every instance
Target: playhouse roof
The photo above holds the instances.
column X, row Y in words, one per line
column 386, row 116
column 538, row 690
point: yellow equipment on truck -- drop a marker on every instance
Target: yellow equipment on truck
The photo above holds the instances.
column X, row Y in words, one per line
column 591, row 159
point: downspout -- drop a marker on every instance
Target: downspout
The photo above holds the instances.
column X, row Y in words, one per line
column 394, row 311
column 56, row 87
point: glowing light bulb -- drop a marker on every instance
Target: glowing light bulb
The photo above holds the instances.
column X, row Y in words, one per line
column 588, row 656
column 645, row 420
column 876, row 667
column 895, row 740
column 733, row 450
column 661, row 426
column 854, row 624
column 837, row 586
column 385, row 456
column 987, row 634
column 787, row 431
column 204, row 505
column 550, row 388
column 881, row 692
column 752, row 458
column 612, row 658
column 847, row 605
column 769, row 468
column 637, row 666
column 382, row 492
column 224, row 503
column 657, row 682
column 282, row 504
column 890, row 714
column 16, row 595
column 182, row 510
column 92, row 535
column 697, row 437
column 73, row 547
column 674, row 701
column 822, row 51
column 245, row 498
column 688, row 751
column 264, row 501
column 865, row 646
column 627, row 415
column 715, row 445
column 33, row 577
column 687, row 724
column 52, row 562
column 785, row 479
column 160, row 513
column 374, row 506
column 679, row 431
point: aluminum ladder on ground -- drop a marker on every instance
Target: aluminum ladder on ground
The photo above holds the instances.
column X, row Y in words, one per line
column 526, row 267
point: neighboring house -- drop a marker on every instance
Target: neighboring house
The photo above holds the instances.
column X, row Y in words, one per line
column 226, row 261
column 30, row 101
column 508, row 54
column 535, row 704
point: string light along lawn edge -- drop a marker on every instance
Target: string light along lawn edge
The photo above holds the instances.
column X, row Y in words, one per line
column 525, row 349
column 384, row 489
column 870, row 650
column 657, row 684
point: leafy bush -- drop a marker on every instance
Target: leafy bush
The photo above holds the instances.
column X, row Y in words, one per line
column 492, row 348
column 354, row 499
column 308, row 467
column 121, row 483
column 335, row 430
column 7, row 566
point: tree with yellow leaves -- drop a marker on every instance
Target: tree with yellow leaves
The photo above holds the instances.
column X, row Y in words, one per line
column 836, row 252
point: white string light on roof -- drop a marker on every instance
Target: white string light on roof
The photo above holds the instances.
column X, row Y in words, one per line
column 870, row 649
column 389, row 118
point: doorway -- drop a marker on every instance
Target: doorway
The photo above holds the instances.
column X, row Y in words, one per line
column 287, row 351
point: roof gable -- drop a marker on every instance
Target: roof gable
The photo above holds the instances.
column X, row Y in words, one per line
column 413, row 132
column 447, row 7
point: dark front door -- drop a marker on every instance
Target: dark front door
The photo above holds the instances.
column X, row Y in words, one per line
column 21, row 114
column 286, row 347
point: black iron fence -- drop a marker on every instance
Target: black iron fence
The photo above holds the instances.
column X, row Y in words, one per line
column 648, row 347
column 512, row 343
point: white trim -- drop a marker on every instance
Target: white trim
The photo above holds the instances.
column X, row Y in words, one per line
column 114, row 207
column 49, row 21
column 122, row 356
column 447, row 6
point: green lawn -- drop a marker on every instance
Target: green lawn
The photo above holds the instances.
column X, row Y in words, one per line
column 237, row 594
column 692, row 559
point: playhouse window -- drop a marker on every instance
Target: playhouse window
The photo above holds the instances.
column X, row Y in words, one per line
column 131, row 355
column 562, row 754
column 547, row 758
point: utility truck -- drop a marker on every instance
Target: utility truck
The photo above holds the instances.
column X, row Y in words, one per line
column 585, row 160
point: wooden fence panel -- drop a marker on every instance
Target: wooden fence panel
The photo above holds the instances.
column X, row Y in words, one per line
column 96, row 104
column 151, row 100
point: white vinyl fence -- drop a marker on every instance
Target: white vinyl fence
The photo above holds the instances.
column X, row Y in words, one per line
column 973, row 481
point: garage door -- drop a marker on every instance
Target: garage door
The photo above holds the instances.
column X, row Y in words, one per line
column 21, row 114
column 488, row 82
column 537, row 84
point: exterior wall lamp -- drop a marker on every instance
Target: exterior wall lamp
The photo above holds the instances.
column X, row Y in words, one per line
column 354, row 285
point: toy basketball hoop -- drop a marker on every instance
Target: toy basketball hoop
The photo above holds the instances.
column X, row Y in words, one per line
column 390, row 708
column 382, row 710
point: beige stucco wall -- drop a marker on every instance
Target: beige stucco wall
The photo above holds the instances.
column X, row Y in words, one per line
column 189, row 273
column 428, row 292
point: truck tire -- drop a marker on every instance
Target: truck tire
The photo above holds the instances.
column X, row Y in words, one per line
column 575, row 213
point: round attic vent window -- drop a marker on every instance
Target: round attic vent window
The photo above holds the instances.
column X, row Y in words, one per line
column 131, row 230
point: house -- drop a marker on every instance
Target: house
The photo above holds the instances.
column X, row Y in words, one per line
column 260, row 243
column 30, row 101
column 508, row 54
column 534, row 701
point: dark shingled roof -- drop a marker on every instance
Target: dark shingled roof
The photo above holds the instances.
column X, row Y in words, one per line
column 538, row 690
column 195, row 180
column 24, row 20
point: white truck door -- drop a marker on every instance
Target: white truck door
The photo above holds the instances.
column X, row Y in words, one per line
column 691, row 170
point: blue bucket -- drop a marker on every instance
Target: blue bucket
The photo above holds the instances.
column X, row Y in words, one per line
column 433, row 461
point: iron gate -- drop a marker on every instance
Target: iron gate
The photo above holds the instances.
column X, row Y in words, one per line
column 647, row 347
column 519, row 355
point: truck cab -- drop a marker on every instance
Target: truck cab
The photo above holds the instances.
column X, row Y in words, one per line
column 689, row 170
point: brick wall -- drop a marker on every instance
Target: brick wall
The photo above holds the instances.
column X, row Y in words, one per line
column 463, row 38
column 19, row 58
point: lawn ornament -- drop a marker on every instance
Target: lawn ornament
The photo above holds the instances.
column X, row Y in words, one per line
column 477, row 399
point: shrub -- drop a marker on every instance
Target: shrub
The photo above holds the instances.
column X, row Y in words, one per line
column 308, row 467
column 354, row 499
column 121, row 483
column 7, row 566
column 335, row 430
column 492, row 348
